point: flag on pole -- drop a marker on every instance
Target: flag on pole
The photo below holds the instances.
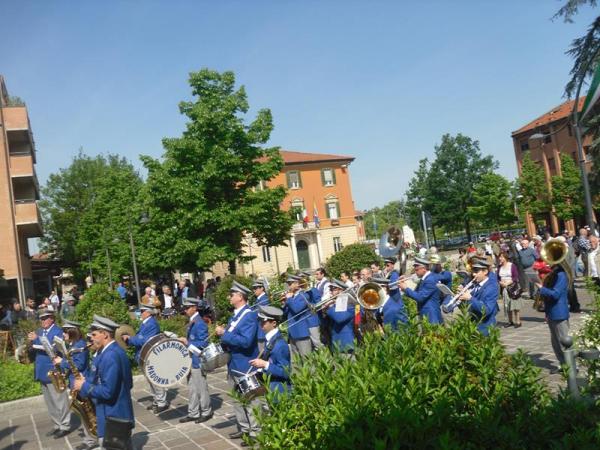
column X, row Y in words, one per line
column 592, row 96
column 305, row 218
column 316, row 215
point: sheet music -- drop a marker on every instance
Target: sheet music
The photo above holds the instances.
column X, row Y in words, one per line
column 341, row 303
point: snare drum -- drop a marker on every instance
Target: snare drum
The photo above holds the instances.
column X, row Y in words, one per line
column 213, row 356
column 165, row 361
column 250, row 387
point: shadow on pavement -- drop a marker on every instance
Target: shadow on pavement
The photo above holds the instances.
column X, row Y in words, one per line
column 7, row 431
column 540, row 361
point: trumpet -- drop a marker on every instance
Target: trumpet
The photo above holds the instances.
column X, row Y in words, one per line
column 456, row 300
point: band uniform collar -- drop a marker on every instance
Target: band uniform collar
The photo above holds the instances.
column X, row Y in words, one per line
column 194, row 316
column 271, row 334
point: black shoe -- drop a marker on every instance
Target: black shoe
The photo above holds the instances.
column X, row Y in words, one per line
column 508, row 325
column 518, row 325
column 236, row 435
column 204, row 418
column 159, row 409
column 248, row 444
column 187, row 419
column 52, row 433
column 61, row 433
column 152, row 406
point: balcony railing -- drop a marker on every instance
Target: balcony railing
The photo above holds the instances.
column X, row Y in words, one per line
column 27, row 217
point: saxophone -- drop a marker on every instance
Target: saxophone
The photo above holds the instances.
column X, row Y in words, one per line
column 58, row 379
column 83, row 407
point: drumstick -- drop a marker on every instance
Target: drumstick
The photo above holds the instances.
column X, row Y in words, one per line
column 258, row 357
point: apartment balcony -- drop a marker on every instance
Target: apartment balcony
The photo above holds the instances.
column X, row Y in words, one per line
column 18, row 130
column 28, row 219
column 21, row 165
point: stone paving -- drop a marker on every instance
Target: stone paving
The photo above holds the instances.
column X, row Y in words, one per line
column 24, row 423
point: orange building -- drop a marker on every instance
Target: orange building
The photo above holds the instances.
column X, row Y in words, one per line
column 319, row 189
column 19, row 192
column 559, row 139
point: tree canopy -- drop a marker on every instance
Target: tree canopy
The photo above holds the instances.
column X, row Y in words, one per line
column 567, row 195
column 378, row 220
column 87, row 210
column 492, row 204
column 202, row 197
column 532, row 187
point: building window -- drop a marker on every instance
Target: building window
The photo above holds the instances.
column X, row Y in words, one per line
column 333, row 209
column 266, row 251
column 298, row 206
column 524, row 146
column 293, row 180
column 547, row 139
column 337, row 244
column 328, row 176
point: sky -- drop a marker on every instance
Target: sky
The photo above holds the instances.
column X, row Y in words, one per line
column 381, row 81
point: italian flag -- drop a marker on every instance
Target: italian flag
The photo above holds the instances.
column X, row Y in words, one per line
column 592, row 96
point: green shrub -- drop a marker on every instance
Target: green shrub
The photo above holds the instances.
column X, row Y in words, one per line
column 222, row 306
column 16, row 381
column 175, row 324
column 351, row 258
column 442, row 387
column 588, row 336
column 100, row 300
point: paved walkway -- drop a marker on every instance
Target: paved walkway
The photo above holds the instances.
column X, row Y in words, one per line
column 24, row 423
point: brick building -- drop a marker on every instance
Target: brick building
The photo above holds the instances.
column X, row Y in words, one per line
column 19, row 192
column 559, row 139
column 318, row 186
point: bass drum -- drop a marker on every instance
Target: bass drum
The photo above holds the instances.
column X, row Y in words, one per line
column 165, row 361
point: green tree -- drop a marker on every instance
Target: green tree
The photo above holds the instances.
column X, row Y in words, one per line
column 417, row 195
column 458, row 166
column 202, row 197
column 378, row 220
column 532, row 188
column 492, row 203
column 87, row 209
column 567, row 194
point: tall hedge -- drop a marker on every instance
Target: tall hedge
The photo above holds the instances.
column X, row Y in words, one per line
column 222, row 306
column 441, row 387
column 99, row 299
column 350, row 258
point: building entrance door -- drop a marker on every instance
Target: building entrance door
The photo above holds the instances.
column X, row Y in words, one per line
column 303, row 256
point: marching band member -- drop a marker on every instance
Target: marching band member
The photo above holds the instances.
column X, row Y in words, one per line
column 313, row 295
column 72, row 335
column 56, row 402
column 444, row 276
column 296, row 307
column 554, row 292
column 148, row 329
column 275, row 360
column 426, row 293
column 393, row 311
column 483, row 298
column 240, row 338
column 199, row 408
column 110, row 387
column 392, row 275
column 341, row 313
column 261, row 299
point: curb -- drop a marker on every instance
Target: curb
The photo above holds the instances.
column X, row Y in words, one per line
column 38, row 400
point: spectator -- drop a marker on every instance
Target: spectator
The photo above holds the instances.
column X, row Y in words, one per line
column 594, row 260
column 150, row 300
column 376, row 270
column 68, row 308
column 582, row 247
column 166, row 298
column 346, row 279
column 365, row 275
column 5, row 319
column 507, row 275
column 356, row 279
column 55, row 300
column 461, row 266
column 30, row 312
column 527, row 256
column 122, row 291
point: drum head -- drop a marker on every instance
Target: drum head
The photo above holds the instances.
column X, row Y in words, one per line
column 165, row 361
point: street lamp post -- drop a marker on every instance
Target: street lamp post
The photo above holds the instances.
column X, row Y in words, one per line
column 143, row 219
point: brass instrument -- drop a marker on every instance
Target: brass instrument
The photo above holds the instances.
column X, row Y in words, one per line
column 83, row 407
column 57, row 377
column 554, row 252
column 456, row 300
column 371, row 296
